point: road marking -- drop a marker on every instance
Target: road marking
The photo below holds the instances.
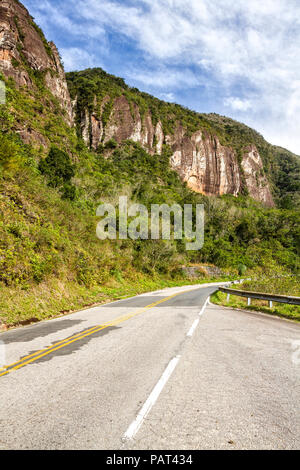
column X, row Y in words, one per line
column 150, row 402
column 193, row 327
column 196, row 322
column 136, row 424
column 61, row 344
column 204, row 307
column 50, row 347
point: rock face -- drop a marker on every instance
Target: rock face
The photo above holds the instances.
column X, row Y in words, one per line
column 257, row 183
column 200, row 160
column 205, row 165
column 199, row 271
column 22, row 43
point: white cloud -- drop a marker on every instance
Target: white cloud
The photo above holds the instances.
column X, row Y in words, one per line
column 47, row 15
column 78, row 59
column 237, row 104
column 165, row 78
column 170, row 97
column 241, row 45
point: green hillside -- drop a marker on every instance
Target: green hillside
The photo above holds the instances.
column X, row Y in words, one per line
column 50, row 258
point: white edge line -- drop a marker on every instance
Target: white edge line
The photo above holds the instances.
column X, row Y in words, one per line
column 136, row 424
column 193, row 327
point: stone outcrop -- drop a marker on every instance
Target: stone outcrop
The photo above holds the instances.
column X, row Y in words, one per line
column 124, row 123
column 205, row 165
column 200, row 160
column 198, row 271
column 21, row 40
column 256, row 181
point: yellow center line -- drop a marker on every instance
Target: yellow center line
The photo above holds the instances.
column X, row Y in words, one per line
column 61, row 344
column 63, row 341
column 89, row 330
column 77, row 335
column 50, row 347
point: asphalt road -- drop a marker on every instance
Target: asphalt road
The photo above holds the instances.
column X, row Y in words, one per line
column 151, row 373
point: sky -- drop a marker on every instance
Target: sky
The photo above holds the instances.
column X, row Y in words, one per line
column 237, row 58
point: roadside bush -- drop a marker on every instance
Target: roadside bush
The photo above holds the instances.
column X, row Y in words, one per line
column 242, row 269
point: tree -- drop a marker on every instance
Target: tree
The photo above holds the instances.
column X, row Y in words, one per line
column 57, row 167
column 59, row 170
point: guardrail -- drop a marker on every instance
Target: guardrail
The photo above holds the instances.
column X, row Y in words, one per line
column 284, row 299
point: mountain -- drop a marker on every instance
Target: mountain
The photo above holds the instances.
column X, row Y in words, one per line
column 209, row 153
column 25, row 54
column 71, row 141
column 213, row 154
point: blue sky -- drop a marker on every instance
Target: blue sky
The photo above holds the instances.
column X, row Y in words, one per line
column 239, row 58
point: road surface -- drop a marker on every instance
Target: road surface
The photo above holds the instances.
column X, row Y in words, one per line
column 158, row 371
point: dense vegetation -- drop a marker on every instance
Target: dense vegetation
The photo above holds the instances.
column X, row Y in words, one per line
column 50, row 189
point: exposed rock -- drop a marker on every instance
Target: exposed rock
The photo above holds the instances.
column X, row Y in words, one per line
column 85, row 127
column 205, row 165
column 202, row 271
column 3, row 327
column 257, row 183
column 96, row 131
column 57, row 84
column 200, row 160
column 30, row 136
column 124, row 123
column 20, row 40
column 147, row 136
column 159, row 136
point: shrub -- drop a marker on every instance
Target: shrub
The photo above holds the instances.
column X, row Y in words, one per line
column 242, row 269
column 111, row 144
column 9, row 152
column 57, row 167
column 69, row 191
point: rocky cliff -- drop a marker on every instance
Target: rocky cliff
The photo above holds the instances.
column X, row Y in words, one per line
column 200, row 159
column 24, row 49
column 108, row 109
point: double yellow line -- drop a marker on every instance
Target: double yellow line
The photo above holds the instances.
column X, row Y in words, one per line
column 72, row 339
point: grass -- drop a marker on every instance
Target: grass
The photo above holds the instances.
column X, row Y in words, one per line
column 281, row 285
column 56, row 297
column 292, row 312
